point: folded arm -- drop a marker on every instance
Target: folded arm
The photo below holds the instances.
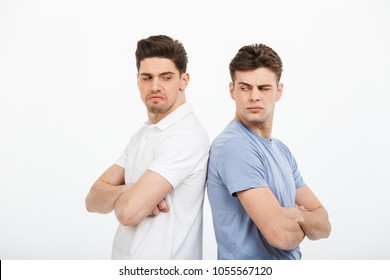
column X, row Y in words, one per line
column 314, row 222
column 140, row 200
column 265, row 211
column 106, row 190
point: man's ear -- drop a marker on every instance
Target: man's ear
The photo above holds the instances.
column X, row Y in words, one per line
column 231, row 89
column 280, row 92
column 184, row 80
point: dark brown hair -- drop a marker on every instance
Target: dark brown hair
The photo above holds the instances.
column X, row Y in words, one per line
column 164, row 47
column 254, row 56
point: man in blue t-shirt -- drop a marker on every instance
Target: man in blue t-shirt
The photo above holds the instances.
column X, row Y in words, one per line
column 262, row 208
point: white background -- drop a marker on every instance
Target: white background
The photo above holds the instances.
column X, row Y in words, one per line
column 69, row 104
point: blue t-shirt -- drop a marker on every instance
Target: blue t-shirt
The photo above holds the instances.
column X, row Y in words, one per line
column 239, row 160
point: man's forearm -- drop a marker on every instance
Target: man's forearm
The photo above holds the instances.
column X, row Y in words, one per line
column 102, row 197
column 130, row 211
column 315, row 224
column 292, row 237
column 142, row 198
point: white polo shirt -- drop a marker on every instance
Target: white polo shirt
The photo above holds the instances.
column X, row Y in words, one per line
column 177, row 148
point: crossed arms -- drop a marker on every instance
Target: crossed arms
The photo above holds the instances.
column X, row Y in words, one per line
column 285, row 228
column 132, row 202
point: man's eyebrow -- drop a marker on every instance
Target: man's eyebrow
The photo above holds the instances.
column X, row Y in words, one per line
column 258, row 86
column 247, row 84
column 244, row 84
column 161, row 74
column 167, row 73
column 145, row 74
column 264, row 85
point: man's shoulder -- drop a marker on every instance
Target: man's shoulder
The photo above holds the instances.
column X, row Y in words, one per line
column 281, row 146
column 183, row 136
column 140, row 132
column 232, row 136
column 187, row 128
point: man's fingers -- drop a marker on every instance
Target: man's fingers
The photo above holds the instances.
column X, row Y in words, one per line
column 155, row 212
column 163, row 206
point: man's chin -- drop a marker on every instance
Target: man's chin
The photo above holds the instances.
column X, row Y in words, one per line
column 156, row 109
column 253, row 119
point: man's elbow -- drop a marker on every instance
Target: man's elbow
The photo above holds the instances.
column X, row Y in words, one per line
column 326, row 231
column 93, row 207
column 127, row 219
column 321, row 233
column 282, row 241
column 89, row 204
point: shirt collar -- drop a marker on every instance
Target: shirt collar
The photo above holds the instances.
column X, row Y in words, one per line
column 175, row 116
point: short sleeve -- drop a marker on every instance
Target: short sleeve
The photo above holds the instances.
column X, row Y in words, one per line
column 240, row 166
column 179, row 155
column 121, row 161
column 299, row 182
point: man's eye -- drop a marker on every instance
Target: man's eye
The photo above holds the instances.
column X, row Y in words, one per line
column 146, row 78
column 167, row 78
column 244, row 88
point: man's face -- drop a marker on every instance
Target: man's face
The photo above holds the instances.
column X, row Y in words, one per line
column 160, row 85
column 255, row 93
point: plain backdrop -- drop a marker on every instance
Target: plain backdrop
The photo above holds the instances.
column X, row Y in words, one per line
column 69, row 104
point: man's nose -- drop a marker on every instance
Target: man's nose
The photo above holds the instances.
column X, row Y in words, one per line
column 155, row 84
column 255, row 95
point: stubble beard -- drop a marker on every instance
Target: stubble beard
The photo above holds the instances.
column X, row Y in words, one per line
column 156, row 108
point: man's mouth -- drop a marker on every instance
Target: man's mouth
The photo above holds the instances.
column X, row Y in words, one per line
column 155, row 97
column 254, row 108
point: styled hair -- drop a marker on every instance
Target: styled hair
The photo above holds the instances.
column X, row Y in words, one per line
column 163, row 47
column 254, row 56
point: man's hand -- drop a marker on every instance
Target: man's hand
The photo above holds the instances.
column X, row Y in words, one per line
column 295, row 213
column 162, row 206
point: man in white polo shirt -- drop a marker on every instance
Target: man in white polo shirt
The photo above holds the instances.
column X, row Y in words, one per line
column 156, row 187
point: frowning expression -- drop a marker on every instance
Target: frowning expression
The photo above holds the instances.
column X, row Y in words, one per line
column 161, row 85
column 255, row 93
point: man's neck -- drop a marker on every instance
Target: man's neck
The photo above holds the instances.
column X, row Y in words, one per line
column 264, row 129
column 154, row 118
